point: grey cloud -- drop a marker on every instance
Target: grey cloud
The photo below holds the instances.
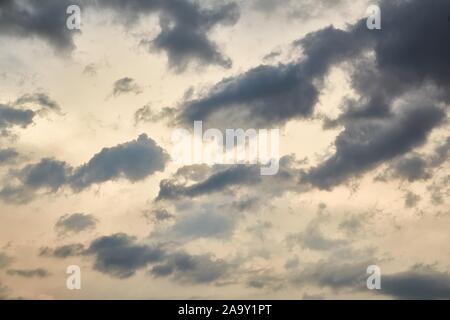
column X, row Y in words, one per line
column 158, row 215
column 441, row 153
column 192, row 269
column 29, row 273
column 386, row 67
column 185, row 28
column 45, row 20
column 5, row 260
column 419, row 282
column 126, row 85
column 411, row 199
column 205, row 224
column 233, row 176
column 224, row 177
column 184, row 35
column 10, row 117
column 75, row 223
column 146, row 114
column 314, row 238
column 120, row 256
column 3, row 292
column 134, row 160
column 364, row 145
column 48, row 173
column 335, row 275
column 65, row 251
column 40, row 99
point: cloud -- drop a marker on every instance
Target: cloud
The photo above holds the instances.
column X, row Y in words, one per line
column 233, row 176
column 40, row 99
column 120, row 256
column 65, row 251
column 221, row 178
column 192, row 269
column 411, row 199
column 29, row 273
column 272, row 95
column 75, row 223
column 126, row 85
column 364, row 145
column 158, row 215
column 6, row 155
column 146, row 114
column 313, row 237
column 420, row 282
column 134, row 160
column 15, row 115
column 398, row 65
column 3, row 292
column 5, row 260
column 10, row 117
column 184, row 28
column 46, row 21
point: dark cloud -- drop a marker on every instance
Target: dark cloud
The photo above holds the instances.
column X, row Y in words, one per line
column 420, row 282
column 192, row 269
column 158, row 215
column 146, row 114
column 297, row 9
column 233, row 176
column 45, row 20
column 134, row 160
column 441, row 154
column 120, row 256
column 4, row 291
column 65, row 251
column 314, row 238
column 184, row 25
column 75, row 223
column 364, row 145
column 205, row 223
column 126, row 85
column 29, row 273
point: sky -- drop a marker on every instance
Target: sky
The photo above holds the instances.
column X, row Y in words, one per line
column 88, row 177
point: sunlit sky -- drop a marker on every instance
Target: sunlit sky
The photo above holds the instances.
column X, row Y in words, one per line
column 86, row 119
